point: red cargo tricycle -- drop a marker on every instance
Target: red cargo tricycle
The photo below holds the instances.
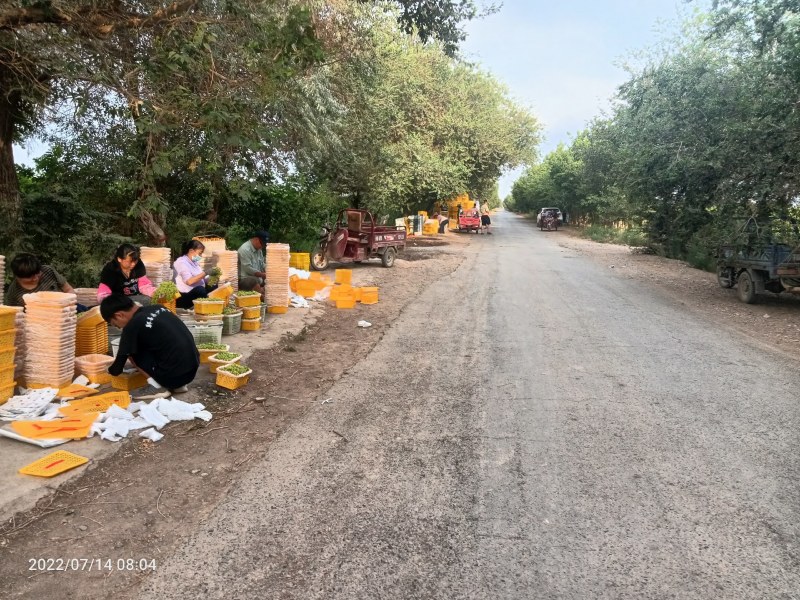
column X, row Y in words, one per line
column 469, row 220
column 356, row 238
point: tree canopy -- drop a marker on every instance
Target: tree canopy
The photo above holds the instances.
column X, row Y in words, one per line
column 165, row 119
column 700, row 137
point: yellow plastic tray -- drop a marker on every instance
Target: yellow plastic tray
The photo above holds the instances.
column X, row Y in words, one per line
column 53, row 464
column 76, row 391
column 72, row 427
column 7, row 355
column 8, row 337
column 8, row 316
column 6, row 392
column 99, row 378
column 95, row 404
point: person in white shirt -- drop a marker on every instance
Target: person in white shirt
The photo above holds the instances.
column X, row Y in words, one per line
column 190, row 278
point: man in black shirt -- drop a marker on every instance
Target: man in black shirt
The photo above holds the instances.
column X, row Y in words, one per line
column 156, row 341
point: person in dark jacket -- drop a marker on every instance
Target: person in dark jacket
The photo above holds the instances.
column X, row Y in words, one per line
column 155, row 340
column 126, row 274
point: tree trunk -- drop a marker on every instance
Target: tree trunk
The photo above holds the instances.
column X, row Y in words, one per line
column 151, row 226
column 10, row 199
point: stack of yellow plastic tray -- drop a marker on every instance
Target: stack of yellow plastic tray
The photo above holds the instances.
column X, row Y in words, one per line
column 158, row 262
column 277, row 275
column 91, row 335
column 228, row 262
column 50, row 325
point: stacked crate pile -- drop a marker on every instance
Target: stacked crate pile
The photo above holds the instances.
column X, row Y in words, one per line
column 158, row 262
column 50, row 324
column 19, row 343
column 7, row 351
column 277, row 277
column 91, row 335
column 228, row 262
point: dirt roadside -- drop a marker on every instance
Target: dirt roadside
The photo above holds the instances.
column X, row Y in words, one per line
column 772, row 321
column 132, row 508
column 140, row 503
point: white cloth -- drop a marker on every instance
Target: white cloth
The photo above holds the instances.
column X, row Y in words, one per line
column 151, row 434
column 150, row 413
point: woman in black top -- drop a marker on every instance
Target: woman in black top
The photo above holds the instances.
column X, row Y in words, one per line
column 126, row 275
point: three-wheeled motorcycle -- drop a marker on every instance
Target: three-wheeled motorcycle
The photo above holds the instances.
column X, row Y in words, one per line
column 355, row 238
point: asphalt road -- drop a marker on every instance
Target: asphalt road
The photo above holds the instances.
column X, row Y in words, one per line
column 532, row 426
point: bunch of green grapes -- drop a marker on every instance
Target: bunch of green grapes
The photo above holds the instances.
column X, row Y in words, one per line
column 214, row 275
column 234, row 369
column 165, row 292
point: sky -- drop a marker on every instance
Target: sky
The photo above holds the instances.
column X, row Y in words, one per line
column 564, row 60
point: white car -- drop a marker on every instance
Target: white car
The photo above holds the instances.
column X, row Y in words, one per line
column 559, row 216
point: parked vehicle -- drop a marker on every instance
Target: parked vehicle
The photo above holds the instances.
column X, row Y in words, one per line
column 469, row 220
column 755, row 267
column 549, row 218
column 356, row 238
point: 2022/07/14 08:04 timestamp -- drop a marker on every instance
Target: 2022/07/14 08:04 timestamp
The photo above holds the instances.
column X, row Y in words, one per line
column 91, row 564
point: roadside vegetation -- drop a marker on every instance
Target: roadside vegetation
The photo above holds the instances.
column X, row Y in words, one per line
column 167, row 119
column 701, row 137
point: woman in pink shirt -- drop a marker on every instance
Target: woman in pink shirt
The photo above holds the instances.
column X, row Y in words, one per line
column 189, row 276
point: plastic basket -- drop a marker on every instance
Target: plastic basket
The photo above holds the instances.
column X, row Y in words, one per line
column 231, row 323
column 169, row 305
column 251, row 324
column 8, row 315
column 345, row 301
column 205, row 353
column 277, row 310
column 251, row 312
column 232, row 382
column 99, row 378
column 6, row 375
column 306, row 288
column 37, row 383
column 93, row 363
column 343, row 276
column 128, row 381
column 6, row 392
column 205, row 333
column 300, row 260
column 223, row 291
column 209, row 307
column 208, row 318
column 8, row 336
column 369, row 295
column 7, row 356
column 215, row 363
column 242, row 301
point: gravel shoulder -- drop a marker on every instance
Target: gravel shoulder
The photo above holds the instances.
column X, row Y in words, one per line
column 772, row 321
